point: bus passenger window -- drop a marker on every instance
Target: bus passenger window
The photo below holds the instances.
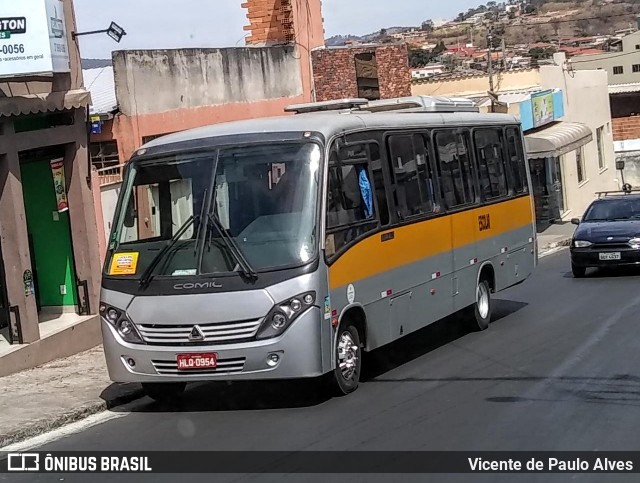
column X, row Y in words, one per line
column 413, row 177
column 378, row 183
column 517, row 162
column 350, row 204
column 491, row 167
column 456, row 177
column 350, row 195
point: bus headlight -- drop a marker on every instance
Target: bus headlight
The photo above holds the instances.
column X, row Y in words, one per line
column 125, row 328
column 282, row 315
column 634, row 243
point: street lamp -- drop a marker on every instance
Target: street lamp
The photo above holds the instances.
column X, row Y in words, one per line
column 114, row 31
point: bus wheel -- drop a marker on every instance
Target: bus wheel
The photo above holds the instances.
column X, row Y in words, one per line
column 479, row 314
column 164, row 391
column 346, row 376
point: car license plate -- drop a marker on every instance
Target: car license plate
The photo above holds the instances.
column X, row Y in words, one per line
column 188, row 362
column 610, row 256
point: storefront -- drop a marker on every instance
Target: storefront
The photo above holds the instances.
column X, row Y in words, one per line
column 50, row 259
column 548, row 151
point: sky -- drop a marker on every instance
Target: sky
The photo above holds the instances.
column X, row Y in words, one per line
column 218, row 23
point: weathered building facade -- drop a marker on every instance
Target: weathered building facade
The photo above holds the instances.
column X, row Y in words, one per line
column 50, row 261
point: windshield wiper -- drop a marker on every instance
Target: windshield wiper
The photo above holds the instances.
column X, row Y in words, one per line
column 231, row 245
column 147, row 275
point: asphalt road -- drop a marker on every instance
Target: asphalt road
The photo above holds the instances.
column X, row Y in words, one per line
column 559, row 369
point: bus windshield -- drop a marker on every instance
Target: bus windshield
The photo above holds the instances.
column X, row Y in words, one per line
column 225, row 211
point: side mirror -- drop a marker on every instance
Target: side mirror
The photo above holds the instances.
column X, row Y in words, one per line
column 130, row 214
column 575, row 221
column 620, row 165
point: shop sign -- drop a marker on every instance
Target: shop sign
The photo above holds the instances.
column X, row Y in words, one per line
column 57, row 169
column 27, row 279
column 33, row 37
column 542, row 108
column 96, row 125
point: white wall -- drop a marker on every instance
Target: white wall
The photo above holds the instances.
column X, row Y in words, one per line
column 586, row 98
column 109, row 195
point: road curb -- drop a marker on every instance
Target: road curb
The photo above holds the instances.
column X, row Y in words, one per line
column 554, row 247
column 71, row 416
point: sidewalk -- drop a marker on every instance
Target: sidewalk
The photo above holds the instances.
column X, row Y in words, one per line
column 66, row 390
column 555, row 236
column 60, row 392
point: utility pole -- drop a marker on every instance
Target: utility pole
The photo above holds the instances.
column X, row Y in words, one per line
column 490, row 67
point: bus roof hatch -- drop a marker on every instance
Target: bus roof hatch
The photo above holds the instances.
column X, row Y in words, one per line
column 423, row 104
column 337, row 105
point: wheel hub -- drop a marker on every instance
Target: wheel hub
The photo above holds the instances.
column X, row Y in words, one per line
column 348, row 353
column 483, row 300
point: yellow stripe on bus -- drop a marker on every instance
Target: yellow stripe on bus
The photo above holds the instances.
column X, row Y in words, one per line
column 420, row 240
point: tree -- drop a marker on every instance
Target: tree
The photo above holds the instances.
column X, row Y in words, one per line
column 427, row 26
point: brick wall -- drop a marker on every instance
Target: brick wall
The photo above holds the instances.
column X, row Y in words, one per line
column 270, row 21
column 334, row 71
column 626, row 128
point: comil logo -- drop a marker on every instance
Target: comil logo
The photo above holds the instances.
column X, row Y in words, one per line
column 12, row 26
column 24, row 462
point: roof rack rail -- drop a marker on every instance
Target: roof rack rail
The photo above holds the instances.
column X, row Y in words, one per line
column 423, row 104
column 619, row 192
column 337, row 105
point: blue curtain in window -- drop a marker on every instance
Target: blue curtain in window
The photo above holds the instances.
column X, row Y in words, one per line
column 365, row 190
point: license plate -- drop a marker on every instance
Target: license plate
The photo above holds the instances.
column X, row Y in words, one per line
column 188, row 362
column 610, row 256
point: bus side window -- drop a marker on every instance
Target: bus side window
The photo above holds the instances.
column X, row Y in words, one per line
column 413, row 176
column 516, row 161
column 350, row 203
column 491, row 166
column 456, row 177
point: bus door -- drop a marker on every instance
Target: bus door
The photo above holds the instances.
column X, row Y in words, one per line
column 458, row 190
column 358, row 256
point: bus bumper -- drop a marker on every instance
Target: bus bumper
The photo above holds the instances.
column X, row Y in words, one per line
column 299, row 352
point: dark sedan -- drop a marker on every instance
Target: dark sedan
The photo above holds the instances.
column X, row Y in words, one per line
column 608, row 235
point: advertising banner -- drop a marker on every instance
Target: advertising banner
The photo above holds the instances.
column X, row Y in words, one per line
column 542, row 108
column 57, row 169
column 33, row 37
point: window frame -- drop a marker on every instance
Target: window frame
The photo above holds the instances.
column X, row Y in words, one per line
column 466, row 133
column 336, row 145
column 505, row 171
column 581, row 169
column 635, row 68
column 428, row 145
column 602, row 161
column 517, row 134
column 618, row 70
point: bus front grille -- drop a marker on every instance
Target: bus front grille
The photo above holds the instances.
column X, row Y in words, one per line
column 218, row 333
column 224, row 366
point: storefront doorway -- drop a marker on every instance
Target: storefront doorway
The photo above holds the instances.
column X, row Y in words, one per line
column 49, row 234
column 548, row 190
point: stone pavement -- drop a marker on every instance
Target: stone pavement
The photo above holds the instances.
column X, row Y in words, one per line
column 66, row 390
column 60, row 392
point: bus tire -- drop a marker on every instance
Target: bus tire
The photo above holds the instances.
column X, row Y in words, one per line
column 345, row 378
column 164, row 392
column 479, row 314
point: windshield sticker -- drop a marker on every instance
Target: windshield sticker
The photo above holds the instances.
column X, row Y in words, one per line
column 327, row 308
column 189, row 271
column 124, row 264
column 351, row 293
